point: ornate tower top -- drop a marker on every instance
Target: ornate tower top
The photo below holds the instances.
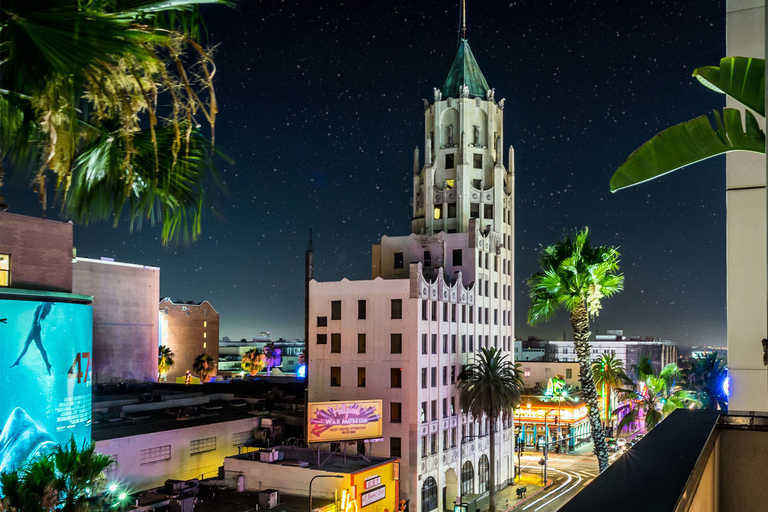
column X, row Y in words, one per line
column 464, row 71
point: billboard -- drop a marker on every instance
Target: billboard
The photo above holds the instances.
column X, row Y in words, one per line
column 344, row 421
column 45, row 380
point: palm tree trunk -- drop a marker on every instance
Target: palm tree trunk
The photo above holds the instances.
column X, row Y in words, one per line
column 580, row 324
column 492, row 472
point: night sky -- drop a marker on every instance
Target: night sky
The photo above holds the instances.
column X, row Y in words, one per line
column 321, row 107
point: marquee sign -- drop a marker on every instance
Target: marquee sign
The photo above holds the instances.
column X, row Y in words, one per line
column 344, row 421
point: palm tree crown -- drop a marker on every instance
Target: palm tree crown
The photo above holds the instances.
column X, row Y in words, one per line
column 165, row 359
column 204, row 365
column 576, row 276
column 490, row 387
column 609, row 375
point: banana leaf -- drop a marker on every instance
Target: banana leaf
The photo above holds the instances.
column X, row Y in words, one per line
column 741, row 78
column 688, row 143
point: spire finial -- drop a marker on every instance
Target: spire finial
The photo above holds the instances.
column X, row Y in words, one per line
column 463, row 22
column 311, row 246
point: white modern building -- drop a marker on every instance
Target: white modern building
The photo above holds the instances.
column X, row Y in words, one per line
column 436, row 296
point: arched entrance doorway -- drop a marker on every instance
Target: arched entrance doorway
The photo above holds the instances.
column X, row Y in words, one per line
column 428, row 495
column 451, row 489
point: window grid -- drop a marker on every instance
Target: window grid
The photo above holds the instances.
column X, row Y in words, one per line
column 156, row 454
column 207, row 444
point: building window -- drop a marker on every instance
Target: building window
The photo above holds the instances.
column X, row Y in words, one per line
column 434, row 410
column 398, row 260
column 395, row 447
column 453, row 411
column 335, row 310
column 445, row 410
column 5, row 270
column 568, row 373
column 445, row 343
column 335, row 376
column 397, row 309
column 495, row 290
column 474, row 210
column 424, row 412
column 434, row 310
column 438, row 212
column 322, row 321
column 453, row 343
column 434, row 343
column 483, row 469
column 207, row 444
column 471, row 314
column 457, row 261
column 423, row 343
column 453, row 375
column 395, row 412
column 453, row 312
column 433, row 444
column 445, row 440
column 361, row 309
column 467, row 479
column 336, row 343
column 361, row 343
column 429, row 491
column 449, row 161
column 322, row 339
column 495, row 317
column 451, row 210
column 361, row 377
column 157, row 454
column 433, row 378
column 487, row 316
column 424, row 310
column 471, row 342
column 445, row 311
column 424, row 451
column 445, row 375
column 396, row 377
column 488, row 211
column 463, row 343
column 423, row 378
column 396, row 343
column 240, row 438
column 453, row 435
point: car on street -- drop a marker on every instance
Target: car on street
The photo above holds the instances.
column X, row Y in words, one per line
column 621, row 442
column 612, row 444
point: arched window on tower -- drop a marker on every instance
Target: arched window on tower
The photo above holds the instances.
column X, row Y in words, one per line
column 483, row 473
column 467, row 479
column 429, row 495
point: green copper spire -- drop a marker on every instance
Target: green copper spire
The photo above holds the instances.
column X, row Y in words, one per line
column 464, row 70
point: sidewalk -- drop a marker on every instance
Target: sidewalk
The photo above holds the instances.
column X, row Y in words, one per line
column 506, row 498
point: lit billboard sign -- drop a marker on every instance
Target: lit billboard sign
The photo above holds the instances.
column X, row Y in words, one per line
column 45, row 382
column 344, row 421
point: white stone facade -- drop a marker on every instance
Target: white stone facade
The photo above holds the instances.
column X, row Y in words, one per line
column 436, row 296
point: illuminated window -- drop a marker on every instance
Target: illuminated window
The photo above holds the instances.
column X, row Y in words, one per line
column 439, row 211
column 205, row 323
column 205, row 335
column 424, row 414
column 205, row 345
column 157, row 454
column 5, row 270
column 207, row 444
column 450, row 184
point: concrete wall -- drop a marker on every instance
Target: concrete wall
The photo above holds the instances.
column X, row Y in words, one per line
column 41, row 252
column 742, row 471
column 124, row 318
column 288, row 479
column 189, row 330
column 181, row 465
column 746, row 232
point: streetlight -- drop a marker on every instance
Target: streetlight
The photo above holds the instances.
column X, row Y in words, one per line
column 461, row 460
column 310, row 486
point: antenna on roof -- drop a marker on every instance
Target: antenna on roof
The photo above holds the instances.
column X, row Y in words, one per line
column 462, row 22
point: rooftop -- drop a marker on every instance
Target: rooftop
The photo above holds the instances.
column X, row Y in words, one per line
column 464, row 71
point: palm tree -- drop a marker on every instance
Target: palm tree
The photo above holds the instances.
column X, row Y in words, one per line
column 165, row 361
column 660, row 396
column 609, row 375
column 252, row 361
column 107, row 96
column 490, row 387
column 705, row 378
column 576, row 276
column 204, row 365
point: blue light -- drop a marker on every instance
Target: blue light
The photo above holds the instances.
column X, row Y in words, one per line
column 727, row 386
column 301, row 371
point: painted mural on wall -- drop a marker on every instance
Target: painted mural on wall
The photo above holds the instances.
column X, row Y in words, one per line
column 45, row 381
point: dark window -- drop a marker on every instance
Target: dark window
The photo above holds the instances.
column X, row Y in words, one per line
column 423, row 378
column 483, row 471
column 471, row 314
column 495, row 317
column 361, row 343
column 335, row 343
column 429, row 493
column 361, row 377
column 423, row 412
column 427, row 259
column 395, row 412
column 445, row 343
column 487, row 315
column 396, row 377
column 467, row 479
column 449, row 161
column 453, row 343
column 457, row 261
column 477, row 161
column 434, row 343
column 445, row 375
column 453, row 312
column 568, row 373
column 496, row 263
column 423, row 343
column 488, row 211
column 397, row 309
column 453, row 375
column 486, row 288
column 445, row 311
column 424, row 310
column 322, row 321
column 394, row 447
column 495, row 290
column 471, row 342
column 434, row 413
column 361, row 309
column 445, row 438
column 474, row 211
column 335, row 310
column 463, row 314
column 478, row 184
column 335, row 376
column 322, row 339
column 463, row 343
column 451, row 210
column 433, row 380
column 445, row 415
column 434, row 310
column 398, row 260
column 396, row 343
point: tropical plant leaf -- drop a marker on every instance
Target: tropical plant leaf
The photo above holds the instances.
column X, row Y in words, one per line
column 688, row 143
column 742, row 78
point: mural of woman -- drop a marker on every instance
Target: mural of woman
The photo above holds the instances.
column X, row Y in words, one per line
column 35, row 335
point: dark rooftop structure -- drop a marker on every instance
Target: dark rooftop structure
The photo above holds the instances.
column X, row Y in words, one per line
column 464, row 71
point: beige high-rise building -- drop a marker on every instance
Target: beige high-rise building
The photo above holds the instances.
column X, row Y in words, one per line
column 436, row 296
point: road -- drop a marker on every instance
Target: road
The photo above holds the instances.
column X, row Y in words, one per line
column 570, row 473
